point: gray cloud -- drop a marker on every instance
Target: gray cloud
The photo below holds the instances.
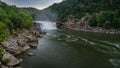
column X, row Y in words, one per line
column 40, row 4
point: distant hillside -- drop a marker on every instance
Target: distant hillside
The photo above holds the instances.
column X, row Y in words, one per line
column 104, row 13
column 31, row 11
column 45, row 14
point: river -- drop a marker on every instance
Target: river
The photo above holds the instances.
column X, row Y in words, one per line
column 64, row 48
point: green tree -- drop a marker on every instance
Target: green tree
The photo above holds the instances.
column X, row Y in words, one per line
column 3, row 32
column 3, row 16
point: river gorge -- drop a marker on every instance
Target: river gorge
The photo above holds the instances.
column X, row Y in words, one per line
column 64, row 48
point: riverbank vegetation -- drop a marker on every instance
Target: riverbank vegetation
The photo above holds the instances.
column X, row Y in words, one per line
column 105, row 19
column 12, row 19
column 104, row 13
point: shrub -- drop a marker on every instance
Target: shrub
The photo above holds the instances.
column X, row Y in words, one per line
column 106, row 19
column 3, row 32
column 6, row 60
column 1, row 55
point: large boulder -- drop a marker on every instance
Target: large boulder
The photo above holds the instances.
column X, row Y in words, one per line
column 11, row 45
column 3, row 66
column 26, row 47
column 32, row 41
column 22, row 43
column 13, row 61
column 31, row 38
column 28, row 38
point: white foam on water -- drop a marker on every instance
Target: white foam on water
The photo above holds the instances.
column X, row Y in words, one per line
column 115, row 62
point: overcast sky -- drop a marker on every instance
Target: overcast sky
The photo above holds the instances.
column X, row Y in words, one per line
column 39, row 4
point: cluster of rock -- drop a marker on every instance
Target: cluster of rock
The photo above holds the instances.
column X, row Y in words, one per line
column 107, row 31
column 82, row 24
column 13, row 47
column 76, row 23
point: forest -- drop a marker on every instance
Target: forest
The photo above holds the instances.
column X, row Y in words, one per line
column 12, row 19
column 104, row 13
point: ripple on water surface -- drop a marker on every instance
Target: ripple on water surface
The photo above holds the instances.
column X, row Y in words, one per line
column 76, row 49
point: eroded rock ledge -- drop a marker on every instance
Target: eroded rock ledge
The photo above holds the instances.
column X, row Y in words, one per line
column 13, row 47
column 82, row 24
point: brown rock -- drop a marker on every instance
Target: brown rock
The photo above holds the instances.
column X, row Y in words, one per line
column 13, row 61
column 11, row 45
column 31, row 54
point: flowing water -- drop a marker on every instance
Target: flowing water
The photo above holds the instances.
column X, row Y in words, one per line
column 46, row 25
column 74, row 49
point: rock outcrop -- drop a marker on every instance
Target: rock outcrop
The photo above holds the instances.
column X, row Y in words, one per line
column 3, row 66
column 82, row 24
column 13, row 60
column 25, row 40
column 14, row 46
column 11, row 45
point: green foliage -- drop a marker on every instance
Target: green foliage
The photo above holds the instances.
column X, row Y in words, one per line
column 3, row 32
column 26, row 20
column 18, row 19
column 6, row 60
column 32, row 11
column 92, row 21
column 3, row 16
column 1, row 55
column 110, row 18
column 12, row 19
column 106, row 19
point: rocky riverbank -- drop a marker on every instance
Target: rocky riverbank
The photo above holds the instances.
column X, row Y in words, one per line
column 82, row 24
column 14, row 46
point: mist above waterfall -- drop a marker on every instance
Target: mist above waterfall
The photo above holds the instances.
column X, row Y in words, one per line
column 47, row 25
column 45, row 15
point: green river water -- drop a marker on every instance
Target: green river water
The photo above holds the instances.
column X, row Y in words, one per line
column 75, row 49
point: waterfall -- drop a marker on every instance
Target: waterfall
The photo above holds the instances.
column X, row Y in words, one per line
column 47, row 25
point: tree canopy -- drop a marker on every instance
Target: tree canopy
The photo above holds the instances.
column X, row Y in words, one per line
column 105, row 13
column 12, row 19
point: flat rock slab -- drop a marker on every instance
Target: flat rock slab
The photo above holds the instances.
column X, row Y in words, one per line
column 13, row 61
column 3, row 66
column 12, row 46
column 31, row 54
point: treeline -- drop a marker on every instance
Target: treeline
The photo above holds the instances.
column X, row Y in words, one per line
column 45, row 14
column 106, row 19
column 12, row 19
column 32, row 11
column 105, row 13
